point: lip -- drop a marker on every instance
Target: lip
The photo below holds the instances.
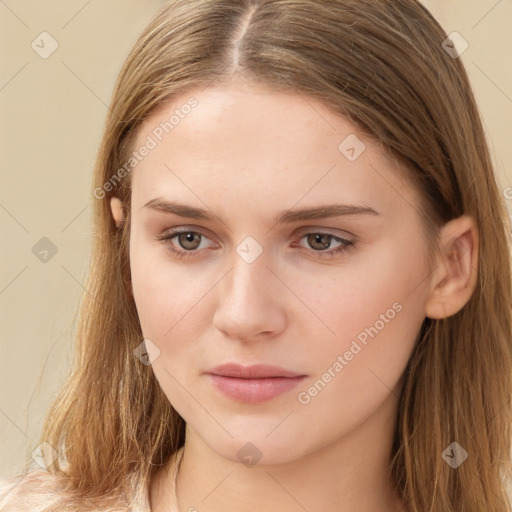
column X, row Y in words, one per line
column 256, row 371
column 253, row 384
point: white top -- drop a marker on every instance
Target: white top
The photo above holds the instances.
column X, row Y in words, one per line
column 39, row 489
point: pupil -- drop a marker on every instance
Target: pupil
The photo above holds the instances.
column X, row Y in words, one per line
column 317, row 238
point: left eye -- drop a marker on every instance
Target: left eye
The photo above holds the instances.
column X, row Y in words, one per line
column 190, row 241
column 323, row 241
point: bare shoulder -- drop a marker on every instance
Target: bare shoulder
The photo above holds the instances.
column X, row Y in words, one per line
column 34, row 491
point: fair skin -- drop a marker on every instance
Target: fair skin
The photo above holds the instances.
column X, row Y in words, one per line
column 247, row 155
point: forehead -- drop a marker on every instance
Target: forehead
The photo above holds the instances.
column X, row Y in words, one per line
column 248, row 143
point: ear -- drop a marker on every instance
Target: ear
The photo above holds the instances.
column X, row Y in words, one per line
column 116, row 207
column 455, row 276
column 117, row 211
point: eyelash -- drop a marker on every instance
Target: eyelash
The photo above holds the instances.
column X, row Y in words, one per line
column 166, row 238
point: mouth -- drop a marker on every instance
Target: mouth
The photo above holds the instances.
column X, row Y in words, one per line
column 253, row 384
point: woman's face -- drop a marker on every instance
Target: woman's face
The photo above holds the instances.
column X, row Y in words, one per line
column 278, row 268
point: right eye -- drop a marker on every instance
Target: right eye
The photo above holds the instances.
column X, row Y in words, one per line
column 187, row 245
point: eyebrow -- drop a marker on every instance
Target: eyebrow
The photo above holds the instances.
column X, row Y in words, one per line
column 288, row 216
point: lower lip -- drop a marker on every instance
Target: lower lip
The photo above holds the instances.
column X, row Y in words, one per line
column 254, row 391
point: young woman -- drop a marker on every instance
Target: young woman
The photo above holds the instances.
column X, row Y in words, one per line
column 300, row 287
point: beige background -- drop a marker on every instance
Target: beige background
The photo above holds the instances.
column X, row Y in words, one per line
column 52, row 113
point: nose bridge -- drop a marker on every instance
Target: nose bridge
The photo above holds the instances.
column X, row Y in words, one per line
column 249, row 280
column 248, row 302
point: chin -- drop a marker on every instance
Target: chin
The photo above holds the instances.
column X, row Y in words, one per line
column 256, row 448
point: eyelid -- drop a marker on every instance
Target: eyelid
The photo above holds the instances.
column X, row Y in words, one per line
column 186, row 229
column 337, row 233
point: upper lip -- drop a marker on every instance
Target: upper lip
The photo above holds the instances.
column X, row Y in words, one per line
column 257, row 371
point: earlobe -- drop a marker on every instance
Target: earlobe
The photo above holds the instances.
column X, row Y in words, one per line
column 116, row 207
column 456, row 272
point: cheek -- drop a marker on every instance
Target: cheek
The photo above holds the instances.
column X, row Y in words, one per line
column 376, row 314
column 168, row 306
column 153, row 291
column 169, row 297
column 352, row 376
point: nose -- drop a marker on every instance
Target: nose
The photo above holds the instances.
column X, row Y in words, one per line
column 251, row 301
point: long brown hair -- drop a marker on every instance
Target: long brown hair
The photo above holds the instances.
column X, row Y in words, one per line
column 381, row 64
